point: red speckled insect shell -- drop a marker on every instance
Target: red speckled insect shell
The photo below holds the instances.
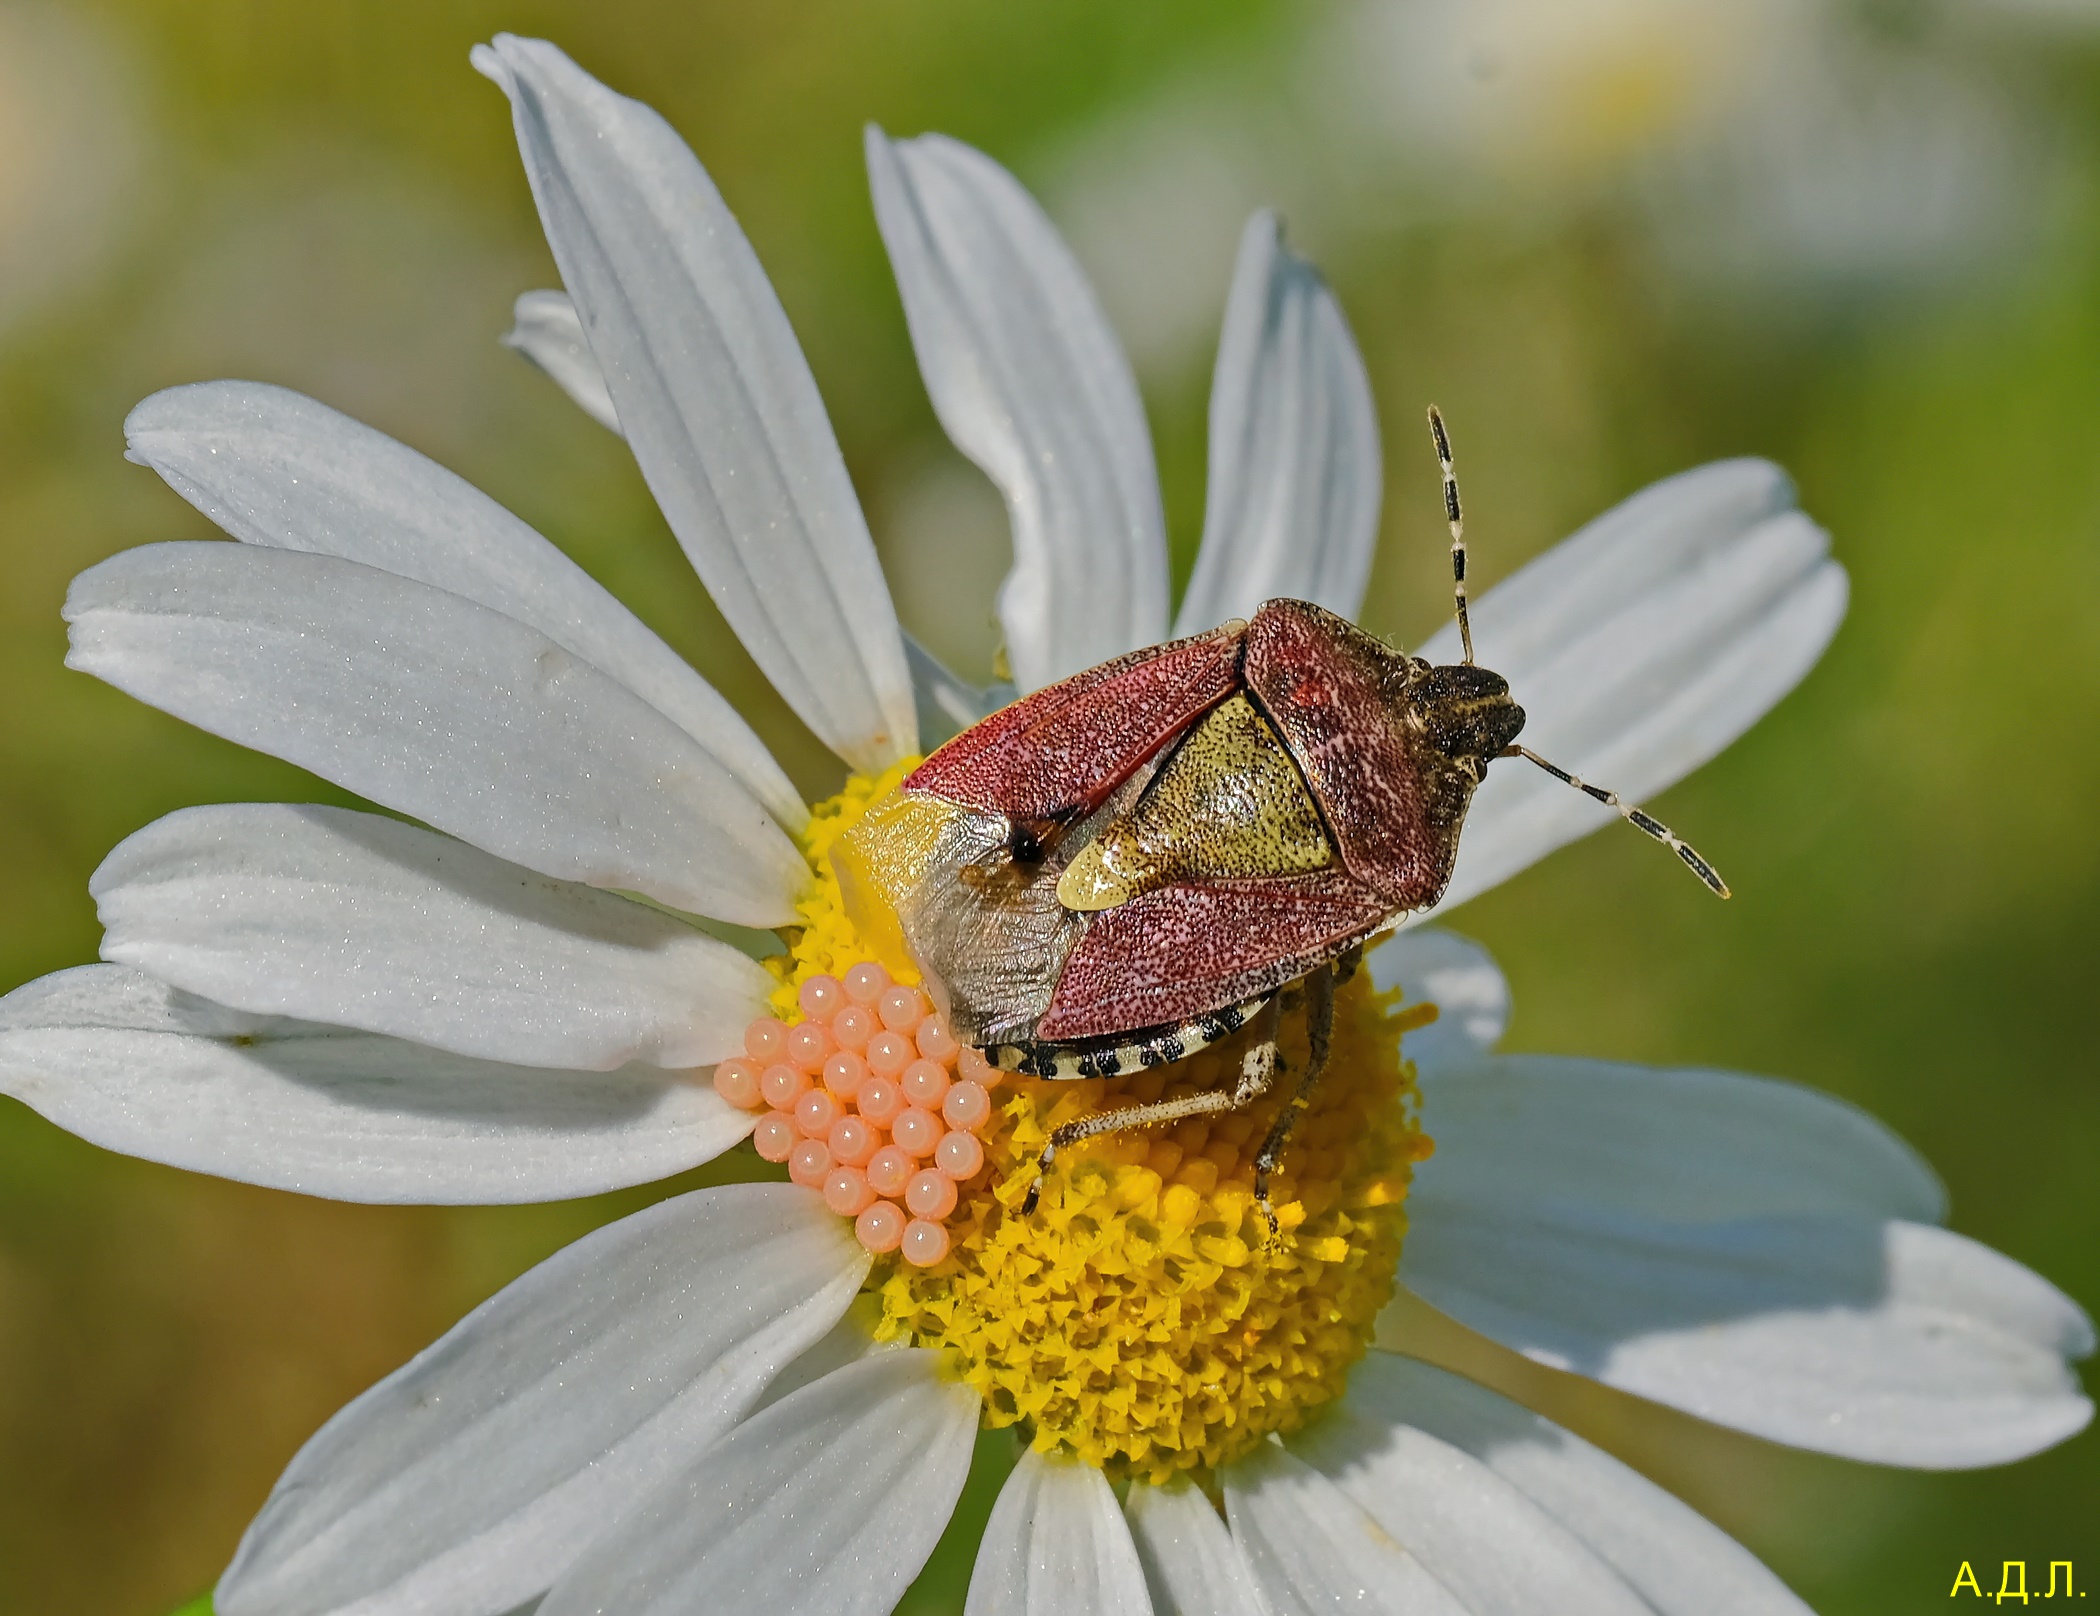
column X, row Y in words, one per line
column 1048, row 761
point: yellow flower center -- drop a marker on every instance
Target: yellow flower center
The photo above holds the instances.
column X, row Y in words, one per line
column 1142, row 1318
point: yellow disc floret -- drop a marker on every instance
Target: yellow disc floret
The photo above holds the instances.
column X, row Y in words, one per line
column 1143, row 1318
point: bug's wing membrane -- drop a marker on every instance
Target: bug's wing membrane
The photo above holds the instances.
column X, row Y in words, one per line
column 1183, row 951
column 1058, row 754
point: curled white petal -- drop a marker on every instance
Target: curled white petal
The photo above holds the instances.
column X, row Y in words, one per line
column 547, row 330
column 128, row 1063
column 1639, row 648
column 367, row 922
column 435, row 706
column 1669, row 1554
column 1031, row 384
column 1192, row 1566
column 1314, row 1551
column 1056, row 1545
column 1458, row 976
column 469, row 1479
column 273, row 467
column 1295, row 473
column 825, row 1503
column 1744, row 1250
column 714, row 397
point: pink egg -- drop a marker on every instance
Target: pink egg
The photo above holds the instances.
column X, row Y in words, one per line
column 966, row 1106
column 889, row 1170
column 959, row 1155
column 971, row 1063
column 782, row 1086
column 808, row 1043
column 901, row 1008
column 879, row 1099
column 936, row 1042
column 847, row 1193
column 865, row 982
column 930, row 1194
column 736, row 1080
column 925, row 1083
column 852, row 1141
column 844, row 1072
column 810, row 1163
column 924, row 1244
column 765, row 1040
column 815, row 1112
column 880, row 1227
column 774, row 1137
column 854, row 1026
column 916, row 1132
column 821, row 997
column 889, row 1053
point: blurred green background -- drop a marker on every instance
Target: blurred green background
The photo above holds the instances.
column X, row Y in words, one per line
column 1612, row 238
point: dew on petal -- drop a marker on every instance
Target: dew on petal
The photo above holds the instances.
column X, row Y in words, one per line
column 774, row 1138
column 916, row 1131
column 924, row 1244
column 925, row 1083
column 736, row 1080
column 966, row 1105
column 880, row 1227
column 930, row 1194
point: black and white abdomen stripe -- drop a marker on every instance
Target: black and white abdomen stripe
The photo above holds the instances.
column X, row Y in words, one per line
column 1118, row 1057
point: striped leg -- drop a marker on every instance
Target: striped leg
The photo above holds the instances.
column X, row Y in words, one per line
column 1319, row 1033
column 1257, row 1070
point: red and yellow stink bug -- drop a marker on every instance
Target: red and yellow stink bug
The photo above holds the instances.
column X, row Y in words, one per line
column 1124, row 868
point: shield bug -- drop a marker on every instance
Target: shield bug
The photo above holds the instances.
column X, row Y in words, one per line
column 1129, row 866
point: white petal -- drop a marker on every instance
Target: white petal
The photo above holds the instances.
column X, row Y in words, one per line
column 825, row 1504
column 468, row 1480
column 1056, row 1545
column 1672, row 1556
column 1521, row 1136
column 1641, row 647
column 1891, row 1342
column 1313, row 1549
column 1497, row 1552
column 368, row 922
column 437, row 707
column 1458, row 976
column 1192, row 1566
column 1295, row 472
column 133, row 1065
column 546, row 329
column 714, row 396
column 1031, row 384
column 273, row 467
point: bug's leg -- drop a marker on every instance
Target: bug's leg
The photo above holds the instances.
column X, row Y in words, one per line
column 1456, row 518
column 1319, row 1033
column 1640, row 821
column 1257, row 1071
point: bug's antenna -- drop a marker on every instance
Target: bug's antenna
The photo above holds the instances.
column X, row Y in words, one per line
column 1640, row 821
column 1457, row 520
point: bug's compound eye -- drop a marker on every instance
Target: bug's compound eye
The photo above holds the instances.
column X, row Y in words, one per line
column 1147, row 1265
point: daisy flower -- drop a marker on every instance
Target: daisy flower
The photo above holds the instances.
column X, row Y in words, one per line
column 748, row 1398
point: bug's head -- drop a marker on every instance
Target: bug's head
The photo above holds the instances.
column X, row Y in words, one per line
column 1466, row 714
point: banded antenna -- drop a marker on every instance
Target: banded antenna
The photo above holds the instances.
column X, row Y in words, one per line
column 1640, row 821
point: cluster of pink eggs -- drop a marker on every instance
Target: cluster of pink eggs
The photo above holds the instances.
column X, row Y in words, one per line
column 870, row 1100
